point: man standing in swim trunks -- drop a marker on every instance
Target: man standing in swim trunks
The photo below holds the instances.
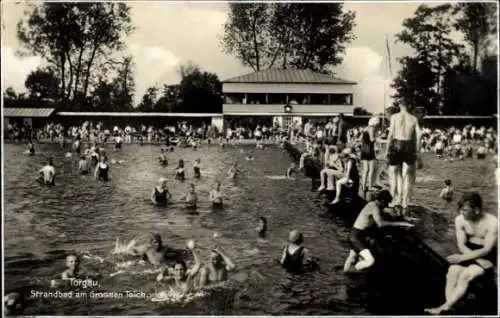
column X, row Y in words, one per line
column 402, row 154
column 477, row 235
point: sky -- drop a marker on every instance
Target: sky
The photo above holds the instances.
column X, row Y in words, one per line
column 170, row 34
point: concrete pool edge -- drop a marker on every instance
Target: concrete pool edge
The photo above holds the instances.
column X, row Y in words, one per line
column 312, row 168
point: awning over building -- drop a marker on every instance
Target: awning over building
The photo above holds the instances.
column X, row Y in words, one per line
column 28, row 112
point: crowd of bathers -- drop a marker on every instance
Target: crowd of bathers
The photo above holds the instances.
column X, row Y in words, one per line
column 349, row 157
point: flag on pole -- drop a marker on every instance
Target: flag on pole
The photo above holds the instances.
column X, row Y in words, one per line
column 389, row 64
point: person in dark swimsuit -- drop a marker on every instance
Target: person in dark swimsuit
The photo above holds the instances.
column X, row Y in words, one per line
column 102, row 170
column 161, row 195
column 31, row 148
column 368, row 157
column 197, row 169
column 295, row 256
column 179, row 171
column 215, row 196
column 262, row 228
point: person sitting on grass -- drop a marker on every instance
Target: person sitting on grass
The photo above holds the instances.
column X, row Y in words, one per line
column 477, row 236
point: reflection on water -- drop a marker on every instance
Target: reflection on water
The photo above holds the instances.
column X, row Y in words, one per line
column 80, row 214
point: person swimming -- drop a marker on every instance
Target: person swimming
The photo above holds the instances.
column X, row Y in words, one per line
column 250, row 157
column 83, row 165
column 218, row 268
column 197, row 168
column 295, row 256
column 179, row 171
column 183, row 277
column 163, row 158
column 233, row 171
column 262, row 228
column 161, row 194
column 72, row 270
column 447, row 192
column 215, row 196
column 156, row 254
column 190, row 197
column 102, row 169
column 14, row 305
column 47, row 174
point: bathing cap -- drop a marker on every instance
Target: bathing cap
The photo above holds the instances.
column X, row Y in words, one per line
column 374, row 121
column 161, row 180
column 295, row 237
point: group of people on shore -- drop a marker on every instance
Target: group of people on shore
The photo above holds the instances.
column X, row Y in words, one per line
column 476, row 230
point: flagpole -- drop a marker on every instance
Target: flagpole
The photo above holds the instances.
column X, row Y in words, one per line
column 388, row 72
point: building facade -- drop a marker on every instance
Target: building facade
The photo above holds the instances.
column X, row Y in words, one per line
column 287, row 95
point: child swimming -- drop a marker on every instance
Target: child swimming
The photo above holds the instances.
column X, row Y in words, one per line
column 218, row 268
column 233, row 171
column 447, row 192
column 295, row 257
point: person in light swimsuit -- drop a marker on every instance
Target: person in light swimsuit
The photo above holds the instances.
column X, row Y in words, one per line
column 215, row 196
column 217, row 270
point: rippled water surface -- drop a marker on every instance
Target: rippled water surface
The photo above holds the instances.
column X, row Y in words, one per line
column 80, row 214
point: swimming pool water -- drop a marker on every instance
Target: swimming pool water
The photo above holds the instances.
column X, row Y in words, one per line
column 43, row 224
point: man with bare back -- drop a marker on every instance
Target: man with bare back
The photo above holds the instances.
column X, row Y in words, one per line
column 402, row 154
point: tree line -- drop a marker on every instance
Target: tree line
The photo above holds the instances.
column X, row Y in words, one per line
column 82, row 45
column 445, row 75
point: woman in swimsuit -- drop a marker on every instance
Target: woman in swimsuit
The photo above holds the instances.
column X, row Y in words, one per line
column 163, row 158
column 161, row 195
column 217, row 269
column 368, row 157
column 295, row 256
column 102, row 169
column 197, row 169
column 179, row 171
column 215, row 196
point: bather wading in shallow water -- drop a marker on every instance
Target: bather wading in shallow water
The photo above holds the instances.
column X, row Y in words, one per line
column 47, row 174
column 477, row 236
column 296, row 259
column 216, row 197
column 161, row 195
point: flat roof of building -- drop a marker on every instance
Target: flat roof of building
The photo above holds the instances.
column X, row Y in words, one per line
column 288, row 76
column 28, row 112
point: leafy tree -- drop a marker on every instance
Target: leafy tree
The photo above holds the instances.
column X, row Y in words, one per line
column 477, row 23
column 312, row 35
column 124, row 86
column 76, row 39
column 42, row 84
column 199, row 92
column 428, row 33
column 149, row 100
column 414, row 85
column 303, row 36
